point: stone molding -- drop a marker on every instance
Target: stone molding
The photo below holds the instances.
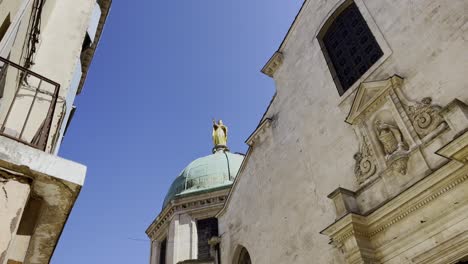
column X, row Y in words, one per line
column 357, row 234
column 200, row 206
column 453, row 151
column 392, row 129
column 370, row 96
column 259, row 133
column 424, row 116
column 354, row 234
column 448, row 252
column 273, row 64
column 395, row 135
column 359, row 221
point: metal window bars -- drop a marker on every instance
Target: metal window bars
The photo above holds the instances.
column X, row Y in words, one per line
column 27, row 105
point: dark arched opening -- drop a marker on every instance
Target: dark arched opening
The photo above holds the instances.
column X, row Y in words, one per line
column 244, row 257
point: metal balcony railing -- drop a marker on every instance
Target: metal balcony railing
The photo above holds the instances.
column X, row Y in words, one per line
column 27, row 104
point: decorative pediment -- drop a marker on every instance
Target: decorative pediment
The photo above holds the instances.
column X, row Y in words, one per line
column 391, row 128
column 370, row 95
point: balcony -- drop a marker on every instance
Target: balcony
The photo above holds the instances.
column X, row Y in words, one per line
column 27, row 105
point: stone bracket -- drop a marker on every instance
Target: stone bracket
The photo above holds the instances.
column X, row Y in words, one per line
column 273, row 64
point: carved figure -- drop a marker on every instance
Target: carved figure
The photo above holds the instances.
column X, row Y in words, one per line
column 425, row 117
column 390, row 137
column 219, row 133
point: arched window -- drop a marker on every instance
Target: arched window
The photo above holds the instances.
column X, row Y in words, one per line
column 244, row 257
column 348, row 45
column 463, row 260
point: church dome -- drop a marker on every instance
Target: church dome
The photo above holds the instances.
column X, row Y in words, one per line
column 207, row 173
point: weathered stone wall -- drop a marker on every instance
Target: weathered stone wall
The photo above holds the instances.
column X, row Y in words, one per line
column 279, row 204
column 13, row 197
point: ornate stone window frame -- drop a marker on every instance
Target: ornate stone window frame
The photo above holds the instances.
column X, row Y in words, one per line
column 335, row 12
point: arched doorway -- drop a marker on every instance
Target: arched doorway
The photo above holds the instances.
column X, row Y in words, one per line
column 244, row 257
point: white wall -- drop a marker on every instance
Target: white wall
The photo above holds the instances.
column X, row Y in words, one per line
column 182, row 239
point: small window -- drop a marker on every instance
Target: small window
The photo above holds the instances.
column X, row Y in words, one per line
column 4, row 27
column 162, row 252
column 348, row 45
column 206, row 229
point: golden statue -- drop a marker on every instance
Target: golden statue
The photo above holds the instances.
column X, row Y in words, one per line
column 219, row 133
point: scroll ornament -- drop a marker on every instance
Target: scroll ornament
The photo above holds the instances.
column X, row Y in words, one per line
column 365, row 166
column 425, row 117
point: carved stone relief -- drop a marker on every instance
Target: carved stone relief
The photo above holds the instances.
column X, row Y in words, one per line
column 391, row 139
column 424, row 116
column 397, row 140
column 365, row 164
column 394, row 146
column 389, row 127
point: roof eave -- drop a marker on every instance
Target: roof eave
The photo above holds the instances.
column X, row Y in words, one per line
column 105, row 8
column 277, row 58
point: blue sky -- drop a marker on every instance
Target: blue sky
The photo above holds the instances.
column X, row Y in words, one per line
column 162, row 71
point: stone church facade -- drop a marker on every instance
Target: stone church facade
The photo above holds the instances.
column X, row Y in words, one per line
column 362, row 155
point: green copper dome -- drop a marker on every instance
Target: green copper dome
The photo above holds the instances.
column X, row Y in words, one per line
column 206, row 173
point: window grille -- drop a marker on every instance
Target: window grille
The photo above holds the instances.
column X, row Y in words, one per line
column 207, row 228
column 350, row 47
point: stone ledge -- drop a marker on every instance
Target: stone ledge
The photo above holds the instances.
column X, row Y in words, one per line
column 38, row 161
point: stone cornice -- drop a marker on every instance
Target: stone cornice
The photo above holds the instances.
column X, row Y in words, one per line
column 273, row 64
column 429, row 189
column 200, row 202
column 410, row 209
column 397, row 209
column 448, row 252
column 255, row 136
column 457, row 150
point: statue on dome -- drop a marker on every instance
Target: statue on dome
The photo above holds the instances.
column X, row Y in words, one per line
column 219, row 133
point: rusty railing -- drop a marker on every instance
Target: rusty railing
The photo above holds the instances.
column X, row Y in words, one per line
column 27, row 104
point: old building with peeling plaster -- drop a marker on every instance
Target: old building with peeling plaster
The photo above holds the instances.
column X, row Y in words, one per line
column 362, row 155
column 46, row 47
